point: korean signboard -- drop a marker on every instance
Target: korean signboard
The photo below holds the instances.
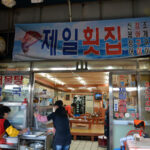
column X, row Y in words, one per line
column 82, row 40
column 11, row 83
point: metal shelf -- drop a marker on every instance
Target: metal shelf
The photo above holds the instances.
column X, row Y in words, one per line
column 6, row 146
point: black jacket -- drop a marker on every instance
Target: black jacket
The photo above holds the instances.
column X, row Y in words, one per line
column 61, row 124
column 106, row 127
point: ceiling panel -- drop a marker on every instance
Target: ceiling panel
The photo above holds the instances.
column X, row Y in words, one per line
column 94, row 81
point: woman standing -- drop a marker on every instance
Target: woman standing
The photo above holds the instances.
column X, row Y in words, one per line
column 62, row 137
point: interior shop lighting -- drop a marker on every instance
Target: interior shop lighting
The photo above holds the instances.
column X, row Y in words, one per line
column 128, row 89
column 79, row 66
column 109, row 67
column 58, row 81
column 51, row 78
column 42, row 74
column 9, row 3
column 37, row 1
column 90, row 89
column 58, row 69
column 48, row 76
column 106, row 78
column 81, row 80
column 36, row 69
column 82, row 87
column 62, row 68
column 106, row 81
column 70, row 88
column 89, row 68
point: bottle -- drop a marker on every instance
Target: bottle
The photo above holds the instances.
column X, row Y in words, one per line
column 25, row 101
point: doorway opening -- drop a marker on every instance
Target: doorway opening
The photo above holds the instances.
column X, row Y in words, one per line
column 86, row 92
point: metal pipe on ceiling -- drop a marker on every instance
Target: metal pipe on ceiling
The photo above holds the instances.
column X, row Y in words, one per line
column 70, row 11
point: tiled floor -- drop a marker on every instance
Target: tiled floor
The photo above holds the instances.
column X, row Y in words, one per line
column 85, row 145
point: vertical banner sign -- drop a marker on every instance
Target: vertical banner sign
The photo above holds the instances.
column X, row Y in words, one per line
column 82, row 40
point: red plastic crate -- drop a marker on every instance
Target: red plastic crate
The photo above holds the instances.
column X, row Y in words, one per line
column 102, row 141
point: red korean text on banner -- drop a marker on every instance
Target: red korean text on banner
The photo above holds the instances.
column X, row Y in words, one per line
column 139, row 49
column 88, row 34
column 113, row 49
column 1, row 80
column 138, row 41
column 8, row 79
column 18, row 80
column 137, row 28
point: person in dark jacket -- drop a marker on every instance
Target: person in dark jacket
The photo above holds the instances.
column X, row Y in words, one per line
column 62, row 137
column 106, row 126
column 5, row 126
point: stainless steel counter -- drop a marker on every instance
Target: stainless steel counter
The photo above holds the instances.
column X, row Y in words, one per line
column 32, row 138
column 27, row 140
column 6, row 146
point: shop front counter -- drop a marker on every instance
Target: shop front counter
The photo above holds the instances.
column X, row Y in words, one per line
column 35, row 140
column 7, row 146
column 10, row 143
column 143, row 144
column 32, row 141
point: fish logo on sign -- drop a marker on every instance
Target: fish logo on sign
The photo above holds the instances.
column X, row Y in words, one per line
column 30, row 38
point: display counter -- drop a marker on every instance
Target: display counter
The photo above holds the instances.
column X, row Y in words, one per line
column 39, row 140
column 34, row 140
column 6, row 146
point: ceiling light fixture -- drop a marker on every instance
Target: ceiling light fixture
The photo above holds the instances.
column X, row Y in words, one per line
column 9, row 3
column 51, row 78
column 90, row 89
column 69, row 88
column 109, row 67
column 62, row 68
column 37, row 1
column 83, row 82
column 79, row 78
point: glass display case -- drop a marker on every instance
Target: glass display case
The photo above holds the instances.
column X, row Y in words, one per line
column 18, row 115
